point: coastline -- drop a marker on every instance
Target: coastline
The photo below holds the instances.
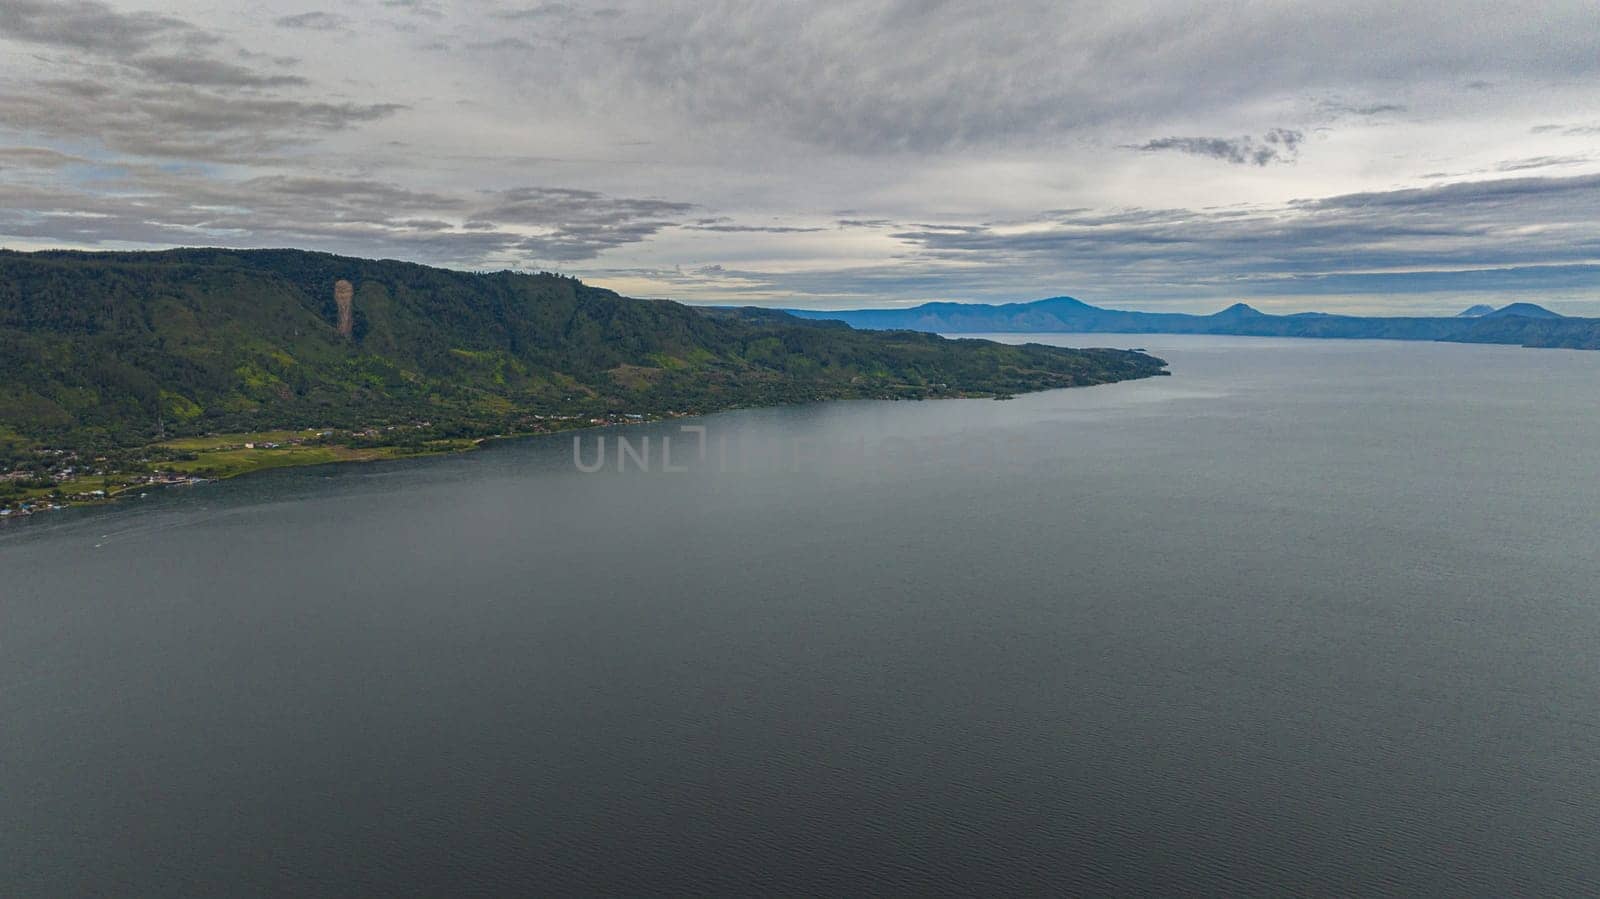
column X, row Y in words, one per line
column 218, row 457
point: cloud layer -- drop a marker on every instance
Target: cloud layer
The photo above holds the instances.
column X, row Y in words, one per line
column 1154, row 153
column 1277, row 145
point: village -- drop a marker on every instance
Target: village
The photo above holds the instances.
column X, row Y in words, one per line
column 66, row 480
column 50, row 479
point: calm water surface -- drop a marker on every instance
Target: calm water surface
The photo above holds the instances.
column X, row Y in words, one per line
column 1306, row 616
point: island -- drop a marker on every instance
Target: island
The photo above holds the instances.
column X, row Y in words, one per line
column 121, row 371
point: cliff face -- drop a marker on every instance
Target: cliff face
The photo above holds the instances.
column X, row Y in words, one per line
column 344, row 295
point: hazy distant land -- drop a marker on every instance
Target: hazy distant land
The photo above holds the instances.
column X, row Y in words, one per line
column 1524, row 324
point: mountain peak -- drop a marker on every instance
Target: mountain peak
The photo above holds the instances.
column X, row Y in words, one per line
column 1523, row 310
column 1238, row 310
column 1061, row 303
column 1477, row 311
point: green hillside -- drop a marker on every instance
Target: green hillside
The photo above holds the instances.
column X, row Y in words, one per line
column 106, row 350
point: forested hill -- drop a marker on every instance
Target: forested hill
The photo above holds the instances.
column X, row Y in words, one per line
column 1523, row 324
column 120, row 348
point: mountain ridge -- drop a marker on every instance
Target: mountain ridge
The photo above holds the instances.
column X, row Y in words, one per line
column 115, row 349
column 1524, row 324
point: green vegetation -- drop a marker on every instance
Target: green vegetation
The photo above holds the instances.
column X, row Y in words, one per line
column 136, row 357
column 231, row 462
column 220, row 441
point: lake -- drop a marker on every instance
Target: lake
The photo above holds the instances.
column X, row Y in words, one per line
column 1309, row 616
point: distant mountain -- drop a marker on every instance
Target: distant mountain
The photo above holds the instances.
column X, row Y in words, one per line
column 112, row 349
column 1524, row 310
column 1239, row 312
column 1477, row 311
column 1520, row 323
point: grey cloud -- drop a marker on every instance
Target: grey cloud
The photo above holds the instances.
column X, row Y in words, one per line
column 86, row 25
column 208, row 72
column 363, row 216
column 888, row 76
column 580, row 223
column 75, row 88
column 884, row 111
column 558, row 16
column 361, row 197
column 1359, row 109
column 1433, row 231
column 416, row 7
column 1567, row 130
column 425, row 225
column 313, row 21
column 1289, row 140
column 178, row 121
column 1539, row 162
column 151, row 85
column 36, row 158
column 1560, row 199
column 725, row 226
column 1277, row 145
column 542, row 11
column 543, row 206
column 503, row 43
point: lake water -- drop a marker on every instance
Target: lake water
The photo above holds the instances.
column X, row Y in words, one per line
column 1307, row 616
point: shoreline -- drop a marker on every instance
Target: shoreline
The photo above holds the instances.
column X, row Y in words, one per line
column 243, row 457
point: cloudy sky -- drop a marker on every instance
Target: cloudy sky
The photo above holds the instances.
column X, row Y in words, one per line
column 1356, row 156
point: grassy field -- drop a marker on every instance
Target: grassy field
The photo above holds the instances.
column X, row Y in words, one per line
column 217, row 441
column 110, row 483
column 225, row 456
column 228, row 463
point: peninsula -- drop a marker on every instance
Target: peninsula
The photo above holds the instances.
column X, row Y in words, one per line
column 120, row 370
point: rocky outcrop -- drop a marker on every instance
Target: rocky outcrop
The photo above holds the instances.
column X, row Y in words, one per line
column 344, row 296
